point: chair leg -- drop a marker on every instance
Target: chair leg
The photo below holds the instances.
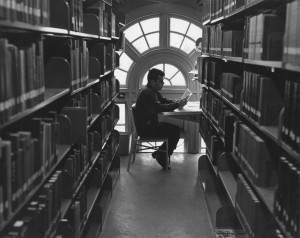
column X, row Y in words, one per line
column 167, row 155
column 133, row 151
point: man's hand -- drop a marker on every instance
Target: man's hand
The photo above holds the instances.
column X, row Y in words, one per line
column 182, row 103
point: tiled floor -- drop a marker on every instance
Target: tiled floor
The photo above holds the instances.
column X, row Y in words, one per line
column 149, row 202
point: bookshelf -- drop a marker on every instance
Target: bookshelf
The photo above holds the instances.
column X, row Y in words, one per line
column 57, row 116
column 253, row 127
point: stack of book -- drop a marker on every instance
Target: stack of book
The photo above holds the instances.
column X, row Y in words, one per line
column 76, row 15
column 249, row 209
column 286, row 200
column 231, row 87
column 232, row 43
column 290, row 131
column 216, row 38
column 230, row 6
column 216, row 9
column 264, row 37
column 22, row 83
column 262, row 98
column 253, row 155
column 212, row 73
column 291, row 54
column 31, row 12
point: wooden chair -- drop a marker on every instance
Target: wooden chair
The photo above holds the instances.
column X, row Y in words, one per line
column 144, row 143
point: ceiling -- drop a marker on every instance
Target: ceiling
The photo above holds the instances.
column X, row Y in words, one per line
column 130, row 5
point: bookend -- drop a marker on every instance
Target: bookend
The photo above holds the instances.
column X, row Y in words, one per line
column 96, row 104
column 96, row 178
column 226, row 217
column 60, row 14
column 57, row 73
column 97, row 141
column 91, row 24
column 94, row 68
column 222, row 163
column 65, row 129
column 67, row 181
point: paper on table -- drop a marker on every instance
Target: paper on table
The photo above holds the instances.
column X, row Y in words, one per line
column 187, row 94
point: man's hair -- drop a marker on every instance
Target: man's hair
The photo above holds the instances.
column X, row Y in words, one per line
column 154, row 73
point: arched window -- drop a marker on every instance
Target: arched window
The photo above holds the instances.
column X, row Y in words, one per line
column 173, row 76
column 144, row 35
column 121, row 72
column 183, row 34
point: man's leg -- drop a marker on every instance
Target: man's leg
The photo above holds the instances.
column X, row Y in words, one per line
column 172, row 132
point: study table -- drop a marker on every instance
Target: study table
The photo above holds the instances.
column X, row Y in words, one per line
column 190, row 112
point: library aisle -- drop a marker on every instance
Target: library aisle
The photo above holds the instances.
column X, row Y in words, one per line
column 149, row 202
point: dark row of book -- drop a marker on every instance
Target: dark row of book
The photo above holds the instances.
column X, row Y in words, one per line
column 35, row 12
column 21, row 77
column 103, row 15
column 264, row 37
column 230, row 6
column 253, row 156
column 291, row 47
column 69, row 63
column 250, row 209
column 41, row 217
column 220, row 41
column 286, row 199
column 290, row 130
column 231, row 87
column 26, row 158
column 262, row 98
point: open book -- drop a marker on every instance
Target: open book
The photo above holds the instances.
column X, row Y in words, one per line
column 187, row 94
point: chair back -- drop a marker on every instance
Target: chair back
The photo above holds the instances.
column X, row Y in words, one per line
column 133, row 114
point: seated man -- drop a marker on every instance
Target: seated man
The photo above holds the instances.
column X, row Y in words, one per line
column 148, row 104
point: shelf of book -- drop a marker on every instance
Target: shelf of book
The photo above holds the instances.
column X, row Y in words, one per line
column 295, row 68
column 50, row 96
column 234, row 59
column 62, row 151
column 217, row 20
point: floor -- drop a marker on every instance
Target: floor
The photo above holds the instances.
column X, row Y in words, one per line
column 149, row 202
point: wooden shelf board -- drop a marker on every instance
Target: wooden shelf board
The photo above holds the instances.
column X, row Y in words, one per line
column 271, row 64
column 235, row 13
column 230, row 185
column 291, row 67
column 234, row 59
column 206, row 22
column 217, row 20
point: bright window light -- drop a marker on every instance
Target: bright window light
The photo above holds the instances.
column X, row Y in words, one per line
column 179, row 25
column 176, row 40
column 150, row 25
column 183, row 35
column 187, row 45
column 122, row 120
column 121, row 76
column 153, row 40
column 194, row 32
column 141, row 45
column 125, row 62
column 133, row 32
column 173, row 76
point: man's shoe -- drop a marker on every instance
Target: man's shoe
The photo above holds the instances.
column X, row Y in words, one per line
column 162, row 162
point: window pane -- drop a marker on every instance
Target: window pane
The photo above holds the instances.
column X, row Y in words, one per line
column 145, row 80
column 140, row 45
column 194, row 32
column 121, row 76
column 175, row 40
column 180, row 146
column 121, row 120
column 179, row 25
column 167, row 82
column 120, row 128
column 178, row 80
column 170, row 70
column 133, row 32
column 150, row 25
column 159, row 66
column 153, row 40
column 125, row 62
column 188, row 45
